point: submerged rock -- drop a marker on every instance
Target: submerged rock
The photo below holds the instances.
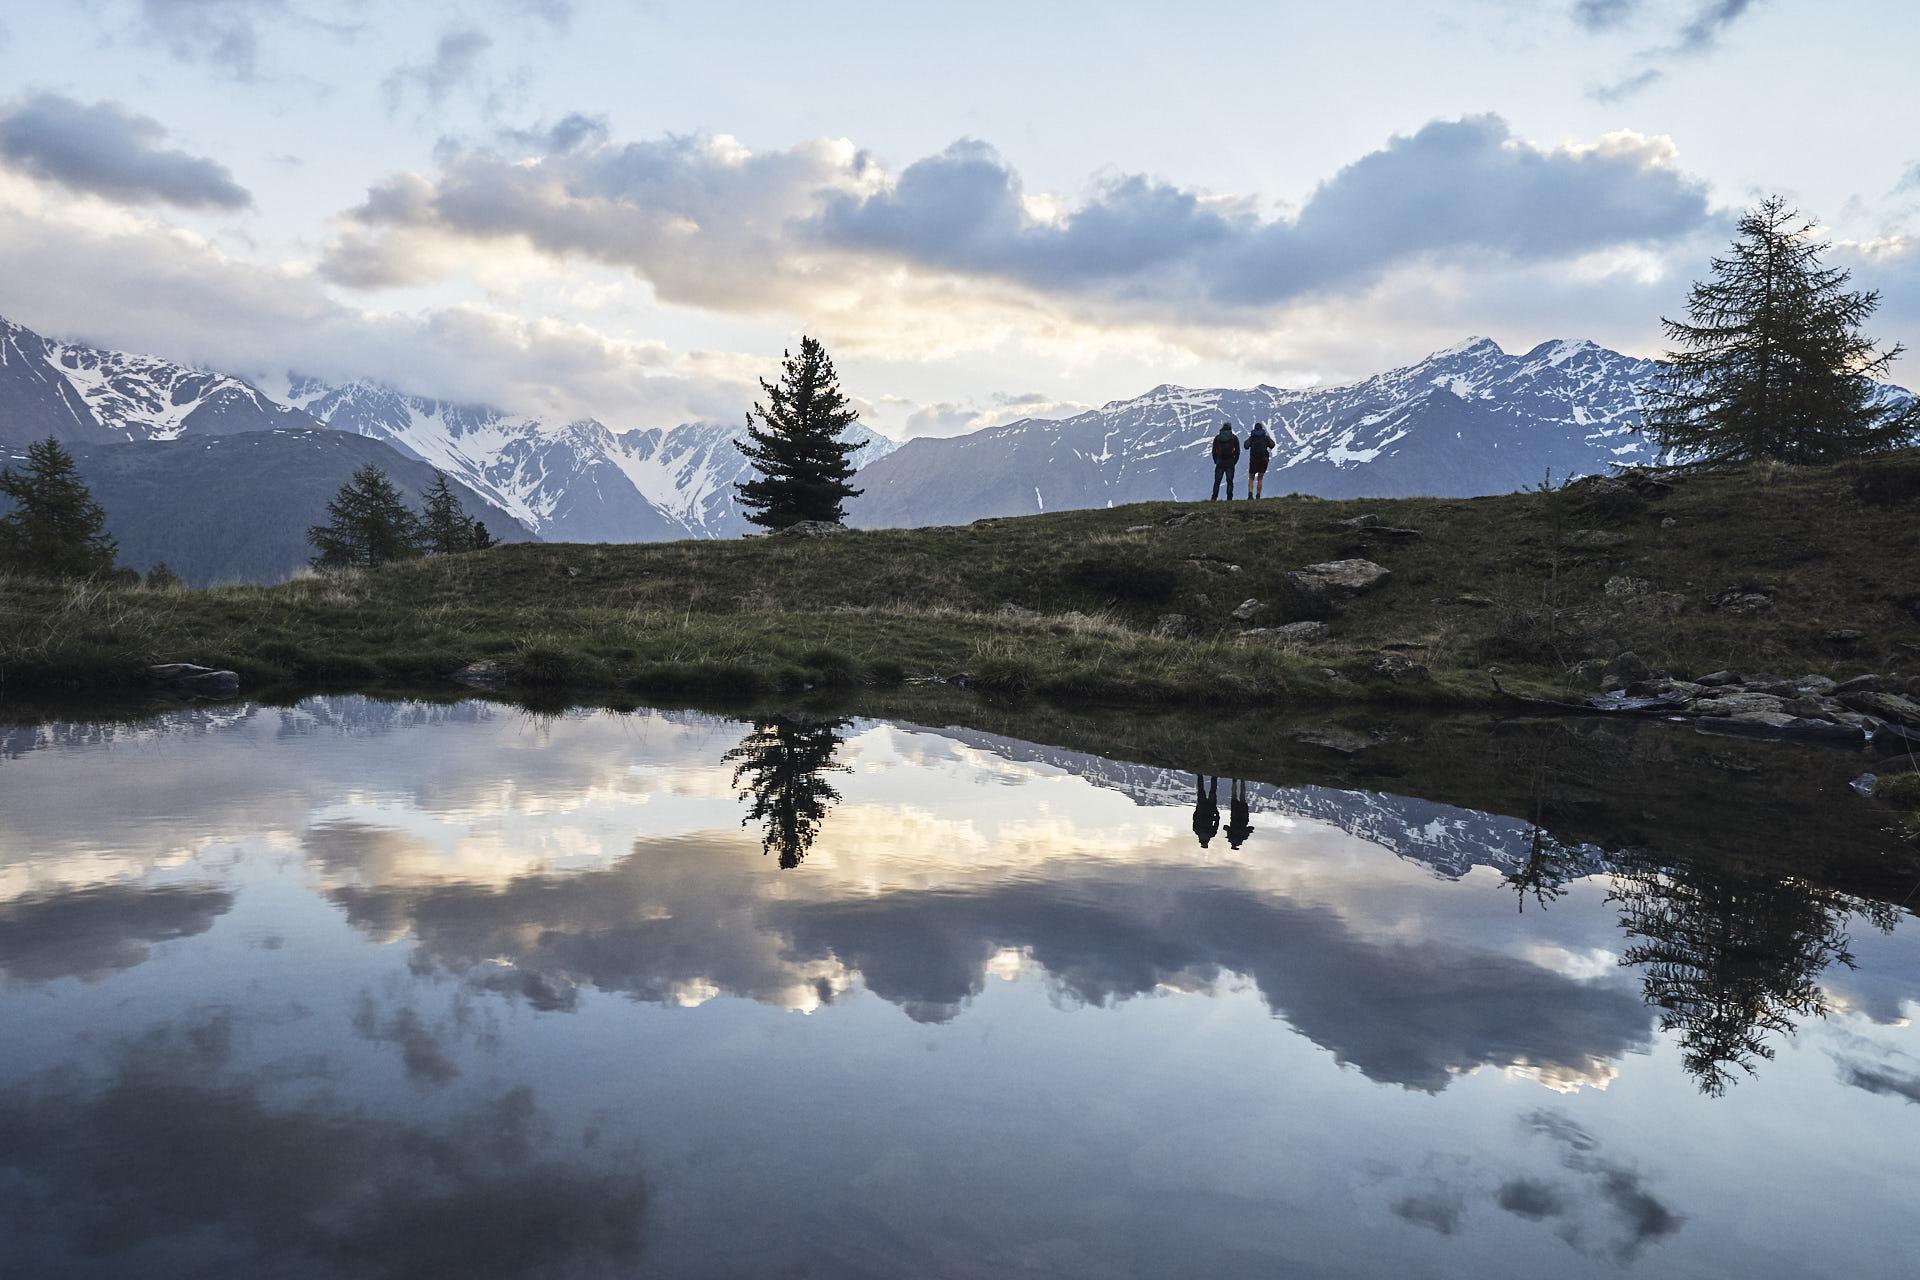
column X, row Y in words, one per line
column 197, row 681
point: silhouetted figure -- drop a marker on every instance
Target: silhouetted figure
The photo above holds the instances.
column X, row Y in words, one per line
column 1226, row 457
column 1259, row 449
column 1206, row 809
column 782, row 763
column 1239, row 820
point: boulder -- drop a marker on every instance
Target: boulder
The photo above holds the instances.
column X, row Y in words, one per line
column 1248, row 610
column 1173, row 624
column 1815, row 686
column 1359, row 522
column 1177, row 519
column 1890, row 707
column 486, row 673
column 1859, row 684
column 1620, row 585
column 1291, row 633
column 1343, row 576
column 1587, row 672
column 1625, row 669
column 1743, row 603
column 1719, row 679
column 811, row 529
column 1739, row 702
column 1397, row 667
column 194, row 681
column 1592, row 539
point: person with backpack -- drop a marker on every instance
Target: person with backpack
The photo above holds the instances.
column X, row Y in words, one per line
column 1206, row 809
column 1259, row 449
column 1226, row 458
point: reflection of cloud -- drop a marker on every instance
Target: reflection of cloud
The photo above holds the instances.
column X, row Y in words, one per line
column 1438, row 1209
column 174, row 1158
column 89, row 933
column 1635, row 1216
column 673, row 923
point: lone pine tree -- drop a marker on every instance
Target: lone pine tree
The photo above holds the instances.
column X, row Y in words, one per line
column 55, row 529
column 369, row 524
column 445, row 526
column 1771, row 362
column 796, row 443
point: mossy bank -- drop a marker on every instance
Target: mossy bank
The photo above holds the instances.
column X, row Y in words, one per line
column 1773, row 568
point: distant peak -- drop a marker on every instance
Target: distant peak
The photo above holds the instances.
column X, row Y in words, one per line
column 1467, row 346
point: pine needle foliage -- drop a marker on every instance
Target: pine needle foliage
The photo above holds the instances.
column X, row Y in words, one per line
column 1770, row 362
column 55, row 529
column 446, row 529
column 797, row 444
column 368, row 524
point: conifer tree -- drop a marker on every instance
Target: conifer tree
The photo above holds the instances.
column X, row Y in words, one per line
column 781, row 764
column 55, row 529
column 160, row 576
column 1771, row 362
column 796, row 443
column 445, row 525
column 481, row 538
column 369, row 524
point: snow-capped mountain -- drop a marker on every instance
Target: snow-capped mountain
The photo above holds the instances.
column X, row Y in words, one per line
column 87, row 395
column 1465, row 421
column 571, row 482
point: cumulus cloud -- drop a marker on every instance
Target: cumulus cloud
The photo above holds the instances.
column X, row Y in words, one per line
column 105, row 150
column 456, row 55
column 707, row 222
column 952, row 418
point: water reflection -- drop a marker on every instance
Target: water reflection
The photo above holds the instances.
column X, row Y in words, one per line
column 392, row 933
column 780, row 769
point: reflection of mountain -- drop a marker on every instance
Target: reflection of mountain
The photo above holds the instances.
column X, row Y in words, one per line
column 1450, row 840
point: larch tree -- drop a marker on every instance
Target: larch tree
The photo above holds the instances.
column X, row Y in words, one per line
column 54, row 528
column 445, row 526
column 1770, row 362
column 368, row 524
column 797, row 444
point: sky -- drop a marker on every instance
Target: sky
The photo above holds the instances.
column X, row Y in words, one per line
column 627, row 209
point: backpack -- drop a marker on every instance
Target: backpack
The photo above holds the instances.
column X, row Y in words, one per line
column 1226, row 449
column 1260, row 444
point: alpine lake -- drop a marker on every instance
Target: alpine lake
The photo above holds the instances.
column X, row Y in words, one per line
column 413, row 988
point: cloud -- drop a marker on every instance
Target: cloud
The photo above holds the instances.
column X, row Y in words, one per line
column 1697, row 36
column 1883, row 1078
column 159, row 1157
column 222, row 32
column 92, row 932
column 1634, row 1216
column 949, row 418
column 1703, row 32
column 707, row 222
column 1604, row 15
column 1438, row 1210
column 105, row 150
column 456, row 56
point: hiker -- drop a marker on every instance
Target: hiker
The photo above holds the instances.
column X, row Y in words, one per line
column 1226, row 457
column 1239, row 822
column 1259, row 449
column 1206, row 810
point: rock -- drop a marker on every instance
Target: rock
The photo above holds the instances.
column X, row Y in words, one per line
column 566, row 571
column 1592, row 539
column 811, row 529
column 1248, row 610
column 1859, row 684
column 1667, row 522
column 1202, row 601
column 1816, row 709
column 1844, row 635
column 1473, row 601
column 1624, row 670
column 1213, row 564
column 486, row 673
column 1139, row 528
column 1346, row 576
column 1359, row 522
column 1173, row 624
column 1890, row 707
column 1176, row 520
column 1816, row 686
column 1291, row 633
column 1865, row 783
column 1717, row 679
column 1739, row 702
column 1666, row 687
column 1344, row 742
column 1621, row 585
column 1587, row 672
column 197, row 681
column 1397, row 667
column 1743, row 603
column 1764, row 724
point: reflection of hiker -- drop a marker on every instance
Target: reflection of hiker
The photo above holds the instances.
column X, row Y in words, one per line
column 1259, row 448
column 1226, row 456
column 1239, row 824
column 1206, row 810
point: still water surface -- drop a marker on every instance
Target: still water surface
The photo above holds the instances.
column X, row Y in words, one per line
column 381, row 989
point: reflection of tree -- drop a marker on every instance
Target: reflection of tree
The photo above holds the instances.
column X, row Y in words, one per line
column 1544, row 875
column 1730, row 958
column 779, row 766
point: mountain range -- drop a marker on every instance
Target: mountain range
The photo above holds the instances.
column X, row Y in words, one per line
column 1470, row 420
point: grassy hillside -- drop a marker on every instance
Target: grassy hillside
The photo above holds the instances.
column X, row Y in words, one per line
column 1769, row 568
